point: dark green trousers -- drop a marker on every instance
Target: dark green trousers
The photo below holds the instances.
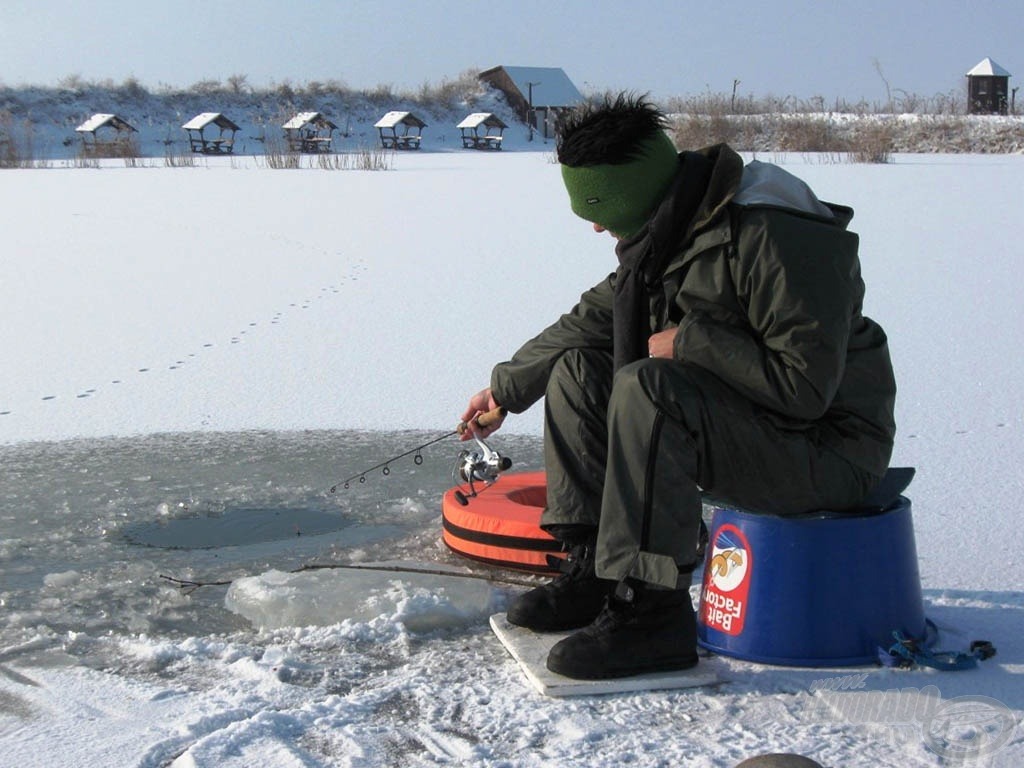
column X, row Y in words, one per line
column 631, row 453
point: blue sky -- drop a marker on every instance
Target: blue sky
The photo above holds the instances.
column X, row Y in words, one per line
column 800, row 48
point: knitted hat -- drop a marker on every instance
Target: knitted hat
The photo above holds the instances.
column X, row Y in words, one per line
column 621, row 197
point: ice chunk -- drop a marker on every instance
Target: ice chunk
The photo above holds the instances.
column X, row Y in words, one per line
column 422, row 602
column 62, row 579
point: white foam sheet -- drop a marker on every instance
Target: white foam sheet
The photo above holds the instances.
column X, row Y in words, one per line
column 530, row 650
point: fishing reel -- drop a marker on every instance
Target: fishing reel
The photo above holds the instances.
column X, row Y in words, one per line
column 473, row 467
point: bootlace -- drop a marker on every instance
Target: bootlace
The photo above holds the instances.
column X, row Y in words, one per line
column 578, row 565
column 615, row 613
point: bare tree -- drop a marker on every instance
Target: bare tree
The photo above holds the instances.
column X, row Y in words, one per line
column 888, row 90
column 239, row 83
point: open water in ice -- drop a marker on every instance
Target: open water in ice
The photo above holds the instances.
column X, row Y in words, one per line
column 79, row 521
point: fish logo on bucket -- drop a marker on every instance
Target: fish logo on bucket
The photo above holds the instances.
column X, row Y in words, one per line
column 723, row 599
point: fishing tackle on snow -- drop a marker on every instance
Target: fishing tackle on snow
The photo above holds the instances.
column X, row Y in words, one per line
column 482, row 467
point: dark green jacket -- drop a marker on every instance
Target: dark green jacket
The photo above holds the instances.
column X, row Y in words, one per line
column 765, row 287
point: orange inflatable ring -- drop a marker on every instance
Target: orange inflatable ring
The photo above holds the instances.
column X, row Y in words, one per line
column 501, row 526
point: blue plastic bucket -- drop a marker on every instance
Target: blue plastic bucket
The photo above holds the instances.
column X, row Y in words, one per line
column 824, row 590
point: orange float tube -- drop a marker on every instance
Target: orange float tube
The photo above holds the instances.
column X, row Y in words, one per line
column 501, row 526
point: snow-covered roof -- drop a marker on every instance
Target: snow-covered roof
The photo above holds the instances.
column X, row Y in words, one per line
column 987, row 67
column 551, row 87
column 477, row 119
column 305, row 118
column 391, row 119
column 200, row 121
column 101, row 119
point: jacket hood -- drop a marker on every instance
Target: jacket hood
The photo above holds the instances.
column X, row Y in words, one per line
column 767, row 185
column 759, row 185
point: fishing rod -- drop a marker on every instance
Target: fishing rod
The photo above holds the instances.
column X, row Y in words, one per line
column 471, row 467
column 188, row 586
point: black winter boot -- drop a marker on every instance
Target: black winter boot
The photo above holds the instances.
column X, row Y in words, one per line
column 571, row 601
column 640, row 630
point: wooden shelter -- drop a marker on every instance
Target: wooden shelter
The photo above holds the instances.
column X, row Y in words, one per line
column 309, row 132
column 482, row 130
column 987, row 87
column 400, row 130
column 106, row 135
column 538, row 94
column 223, row 143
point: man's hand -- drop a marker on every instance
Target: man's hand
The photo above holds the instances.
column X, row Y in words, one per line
column 482, row 402
column 662, row 344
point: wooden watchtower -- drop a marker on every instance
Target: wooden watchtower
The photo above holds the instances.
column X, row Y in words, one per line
column 988, row 86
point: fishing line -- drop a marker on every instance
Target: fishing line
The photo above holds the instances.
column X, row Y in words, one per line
column 384, row 465
column 483, row 467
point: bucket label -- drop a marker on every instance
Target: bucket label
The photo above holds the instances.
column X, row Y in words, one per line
column 723, row 599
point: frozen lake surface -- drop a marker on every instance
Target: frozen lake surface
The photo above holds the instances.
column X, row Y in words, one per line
column 352, row 667
column 213, row 506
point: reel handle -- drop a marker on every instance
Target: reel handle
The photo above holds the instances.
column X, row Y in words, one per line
column 484, row 419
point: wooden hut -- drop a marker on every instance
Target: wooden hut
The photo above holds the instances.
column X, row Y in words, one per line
column 987, row 87
column 400, row 130
column 482, row 130
column 538, row 94
column 106, row 135
column 220, row 143
column 309, row 132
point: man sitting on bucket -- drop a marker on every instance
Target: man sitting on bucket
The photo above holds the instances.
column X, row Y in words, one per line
column 726, row 353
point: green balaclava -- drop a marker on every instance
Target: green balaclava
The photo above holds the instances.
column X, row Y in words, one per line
column 621, row 197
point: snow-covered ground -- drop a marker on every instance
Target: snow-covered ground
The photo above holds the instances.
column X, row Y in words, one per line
column 41, row 121
column 183, row 343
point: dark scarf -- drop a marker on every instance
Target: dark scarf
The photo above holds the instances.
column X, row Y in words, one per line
column 643, row 257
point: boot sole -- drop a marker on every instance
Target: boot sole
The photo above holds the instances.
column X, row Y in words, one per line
column 551, row 627
column 666, row 665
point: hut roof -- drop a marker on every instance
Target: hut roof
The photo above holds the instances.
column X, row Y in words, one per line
column 101, row 119
column 305, row 118
column 391, row 119
column 477, row 119
column 987, row 67
column 551, row 87
column 200, row 121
